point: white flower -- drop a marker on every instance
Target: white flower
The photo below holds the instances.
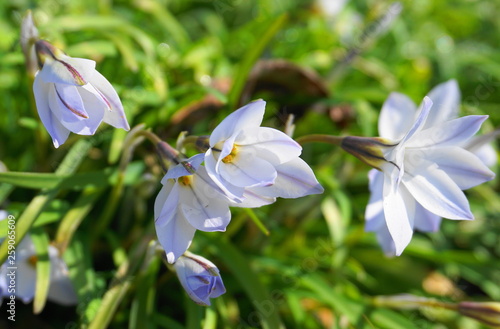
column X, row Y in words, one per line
column 253, row 165
column 199, row 277
column 188, row 201
column 423, row 167
column 61, row 289
column 72, row 96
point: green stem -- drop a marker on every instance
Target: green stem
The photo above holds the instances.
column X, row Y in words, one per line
column 257, row 221
column 149, row 135
column 335, row 140
column 121, row 284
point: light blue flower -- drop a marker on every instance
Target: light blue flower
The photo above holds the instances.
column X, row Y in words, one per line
column 199, row 277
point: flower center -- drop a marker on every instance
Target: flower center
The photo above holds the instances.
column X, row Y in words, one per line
column 230, row 157
column 185, row 180
column 32, row 260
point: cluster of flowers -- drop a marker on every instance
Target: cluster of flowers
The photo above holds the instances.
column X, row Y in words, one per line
column 245, row 166
column 423, row 160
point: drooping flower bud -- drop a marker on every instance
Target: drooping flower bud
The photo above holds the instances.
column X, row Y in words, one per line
column 199, row 277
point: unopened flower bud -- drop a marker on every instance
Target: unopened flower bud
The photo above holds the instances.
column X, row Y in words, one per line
column 199, row 277
column 29, row 35
column 368, row 149
column 485, row 312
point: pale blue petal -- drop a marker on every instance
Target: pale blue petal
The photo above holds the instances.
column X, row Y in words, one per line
column 437, row 192
column 453, row 132
column 426, row 221
column 166, row 204
column 248, row 171
column 396, row 117
column 55, row 129
column 446, row 103
column 115, row 115
column 203, row 207
column 398, row 213
column 295, row 179
column 175, row 237
column 281, row 147
column 463, row 167
column 248, row 116
column 67, row 70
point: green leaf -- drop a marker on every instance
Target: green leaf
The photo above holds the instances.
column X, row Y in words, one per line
column 166, row 322
column 269, row 29
column 71, row 221
column 112, row 298
column 78, row 259
column 69, row 165
column 256, row 220
column 384, row 318
column 41, row 243
column 168, row 21
column 353, row 310
column 31, row 180
column 249, row 280
column 143, row 304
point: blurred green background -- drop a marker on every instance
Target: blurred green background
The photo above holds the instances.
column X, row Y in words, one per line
column 184, row 65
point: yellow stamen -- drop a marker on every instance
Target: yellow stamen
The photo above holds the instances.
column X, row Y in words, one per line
column 32, row 260
column 185, row 180
column 230, row 157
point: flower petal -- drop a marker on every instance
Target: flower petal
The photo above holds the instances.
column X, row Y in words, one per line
column 68, row 70
column 446, row 103
column 55, row 129
column 482, row 148
column 115, row 116
column 193, row 163
column 175, row 237
column 278, row 146
column 61, row 289
column 247, row 171
column 69, row 99
column 26, row 276
column 398, row 153
column 487, row 154
column 463, row 167
column 203, row 207
column 453, row 132
column 248, row 116
column 234, row 193
column 67, row 105
column 396, row 116
column 437, row 192
column 419, row 123
column 166, row 203
column 399, row 214
column 295, row 179
column 253, row 198
column 374, row 213
column 425, row 220
column 199, row 277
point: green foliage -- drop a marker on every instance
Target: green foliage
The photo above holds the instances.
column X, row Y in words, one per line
column 184, row 65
